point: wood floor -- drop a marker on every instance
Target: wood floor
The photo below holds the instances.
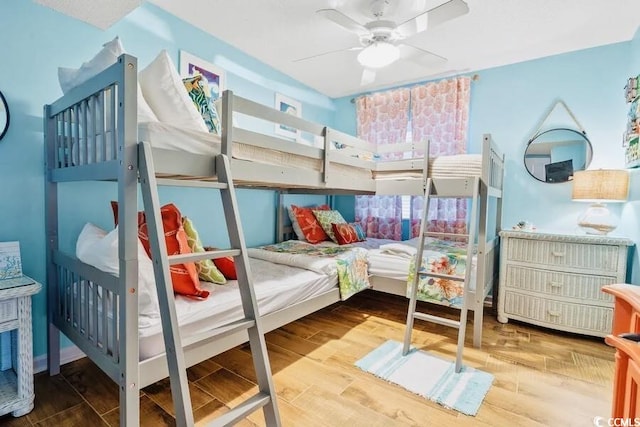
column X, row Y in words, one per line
column 542, row 378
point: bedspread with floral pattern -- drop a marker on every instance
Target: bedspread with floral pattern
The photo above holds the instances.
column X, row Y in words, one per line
column 350, row 262
column 442, row 257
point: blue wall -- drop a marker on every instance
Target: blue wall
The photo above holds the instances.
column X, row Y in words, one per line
column 510, row 101
column 37, row 40
column 507, row 101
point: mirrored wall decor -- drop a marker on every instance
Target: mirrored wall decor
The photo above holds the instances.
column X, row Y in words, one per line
column 553, row 155
column 4, row 116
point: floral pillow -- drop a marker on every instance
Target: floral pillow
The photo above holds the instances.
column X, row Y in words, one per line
column 306, row 224
column 199, row 93
column 347, row 233
column 207, row 270
column 326, row 218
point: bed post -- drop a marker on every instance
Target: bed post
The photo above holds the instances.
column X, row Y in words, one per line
column 127, row 137
column 279, row 216
column 227, row 122
column 51, row 226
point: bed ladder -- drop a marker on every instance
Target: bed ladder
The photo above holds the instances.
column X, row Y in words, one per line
column 252, row 323
column 412, row 314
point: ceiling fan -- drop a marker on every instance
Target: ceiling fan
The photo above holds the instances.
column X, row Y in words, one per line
column 381, row 39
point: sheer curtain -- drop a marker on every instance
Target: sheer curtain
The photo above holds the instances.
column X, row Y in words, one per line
column 382, row 119
column 440, row 113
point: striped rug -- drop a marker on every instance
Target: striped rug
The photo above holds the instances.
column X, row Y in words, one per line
column 429, row 376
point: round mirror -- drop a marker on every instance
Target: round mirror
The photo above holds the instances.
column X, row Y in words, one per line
column 4, row 116
column 553, row 155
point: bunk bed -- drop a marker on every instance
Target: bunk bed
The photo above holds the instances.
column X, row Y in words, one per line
column 92, row 134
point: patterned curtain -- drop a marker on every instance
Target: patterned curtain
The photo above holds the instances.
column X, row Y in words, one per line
column 440, row 114
column 382, row 119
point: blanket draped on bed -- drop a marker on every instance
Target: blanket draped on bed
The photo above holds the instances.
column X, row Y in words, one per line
column 439, row 256
column 350, row 264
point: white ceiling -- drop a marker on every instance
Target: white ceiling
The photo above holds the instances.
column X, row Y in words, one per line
column 100, row 13
column 493, row 33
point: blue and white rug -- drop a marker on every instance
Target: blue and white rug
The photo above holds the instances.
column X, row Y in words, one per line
column 429, row 376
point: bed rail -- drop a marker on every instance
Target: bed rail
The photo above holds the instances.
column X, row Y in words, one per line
column 492, row 166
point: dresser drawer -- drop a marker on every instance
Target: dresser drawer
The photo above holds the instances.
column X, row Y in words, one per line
column 8, row 310
column 592, row 257
column 581, row 318
column 553, row 283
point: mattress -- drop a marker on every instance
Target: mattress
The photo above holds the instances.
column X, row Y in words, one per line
column 455, row 166
column 276, row 286
column 165, row 136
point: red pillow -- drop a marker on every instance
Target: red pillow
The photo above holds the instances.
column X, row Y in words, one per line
column 309, row 224
column 227, row 267
column 184, row 277
column 345, row 233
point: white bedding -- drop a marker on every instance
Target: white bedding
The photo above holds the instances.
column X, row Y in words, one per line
column 277, row 286
column 454, row 166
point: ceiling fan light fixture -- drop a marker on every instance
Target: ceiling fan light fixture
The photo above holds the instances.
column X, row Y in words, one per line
column 378, row 55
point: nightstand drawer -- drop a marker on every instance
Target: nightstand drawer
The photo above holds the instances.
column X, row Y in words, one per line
column 580, row 318
column 8, row 310
column 592, row 257
column 586, row 288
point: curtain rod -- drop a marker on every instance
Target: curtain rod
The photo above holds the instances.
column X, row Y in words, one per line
column 474, row 78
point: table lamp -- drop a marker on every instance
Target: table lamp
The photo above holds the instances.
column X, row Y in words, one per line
column 599, row 187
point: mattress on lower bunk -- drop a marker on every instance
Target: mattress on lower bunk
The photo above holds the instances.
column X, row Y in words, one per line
column 454, row 166
column 276, row 286
column 395, row 260
column 162, row 135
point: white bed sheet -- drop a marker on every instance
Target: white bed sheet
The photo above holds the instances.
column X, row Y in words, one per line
column 276, row 286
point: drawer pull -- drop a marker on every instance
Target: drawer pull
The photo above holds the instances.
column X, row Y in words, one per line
column 557, row 254
column 555, row 284
column 554, row 313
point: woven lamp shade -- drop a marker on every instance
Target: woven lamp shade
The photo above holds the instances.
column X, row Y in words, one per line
column 603, row 185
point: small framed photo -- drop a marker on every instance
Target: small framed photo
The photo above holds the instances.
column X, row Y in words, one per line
column 10, row 261
column 213, row 77
column 289, row 106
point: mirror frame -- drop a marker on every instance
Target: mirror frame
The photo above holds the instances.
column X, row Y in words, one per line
column 583, row 134
column 6, row 109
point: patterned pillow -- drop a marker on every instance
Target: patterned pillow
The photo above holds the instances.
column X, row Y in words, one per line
column 346, row 233
column 326, row 218
column 207, row 270
column 362, row 236
column 201, row 96
column 184, row 277
column 293, row 209
column 309, row 226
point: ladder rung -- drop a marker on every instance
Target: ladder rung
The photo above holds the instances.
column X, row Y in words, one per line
column 440, row 234
column 442, row 276
column 193, row 257
column 439, row 320
column 241, row 411
column 227, row 329
column 192, row 183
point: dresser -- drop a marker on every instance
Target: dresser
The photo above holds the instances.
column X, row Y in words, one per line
column 555, row 280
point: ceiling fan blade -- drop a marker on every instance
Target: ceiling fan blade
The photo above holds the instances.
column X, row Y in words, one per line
column 349, row 49
column 368, row 76
column 433, row 17
column 344, row 21
column 420, row 56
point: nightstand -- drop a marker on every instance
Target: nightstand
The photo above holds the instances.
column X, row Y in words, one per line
column 16, row 383
column 555, row 280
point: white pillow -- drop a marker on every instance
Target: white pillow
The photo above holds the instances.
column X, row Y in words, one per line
column 98, row 248
column 296, row 225
column 163, row 89
column 108, row 55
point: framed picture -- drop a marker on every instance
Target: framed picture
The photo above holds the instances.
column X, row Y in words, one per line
column 289, row 106
column 213, row 77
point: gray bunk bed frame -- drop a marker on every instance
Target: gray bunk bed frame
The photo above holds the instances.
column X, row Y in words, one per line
column 91, row 134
